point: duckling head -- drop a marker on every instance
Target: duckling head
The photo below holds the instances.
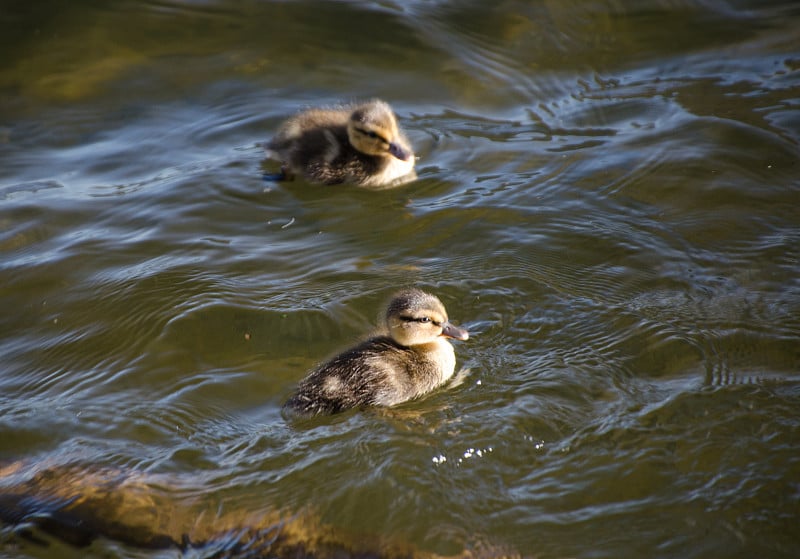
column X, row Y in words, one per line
column 372, row 129
column 416, row 318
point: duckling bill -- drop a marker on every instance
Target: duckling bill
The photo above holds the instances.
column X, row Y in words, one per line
column 358, row 144
column 412, row 358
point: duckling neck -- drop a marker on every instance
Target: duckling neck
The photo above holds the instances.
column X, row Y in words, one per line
column 440, row 352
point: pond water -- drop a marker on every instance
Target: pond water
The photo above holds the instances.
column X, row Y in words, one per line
column 608, row 199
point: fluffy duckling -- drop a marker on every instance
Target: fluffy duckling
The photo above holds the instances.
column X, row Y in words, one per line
column 360, row 144
column 412, row 358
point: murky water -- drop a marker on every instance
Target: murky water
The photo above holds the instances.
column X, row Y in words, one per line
column 608, row 198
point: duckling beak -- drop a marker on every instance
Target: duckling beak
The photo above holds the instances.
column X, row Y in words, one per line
column 450, row 331
column 399, row 151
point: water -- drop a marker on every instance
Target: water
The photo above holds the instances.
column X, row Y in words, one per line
column 608, row 199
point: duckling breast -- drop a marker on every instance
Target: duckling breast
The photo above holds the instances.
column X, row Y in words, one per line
column 394, row 172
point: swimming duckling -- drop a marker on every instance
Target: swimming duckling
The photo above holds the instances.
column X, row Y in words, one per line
column 359, row 144
column 411, row 359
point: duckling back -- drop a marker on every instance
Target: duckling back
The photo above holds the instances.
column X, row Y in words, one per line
column 377, row 372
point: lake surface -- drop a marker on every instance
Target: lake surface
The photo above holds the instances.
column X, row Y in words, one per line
column 608, row 199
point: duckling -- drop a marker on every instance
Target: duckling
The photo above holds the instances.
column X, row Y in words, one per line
column 411, row 358
column 359, row 144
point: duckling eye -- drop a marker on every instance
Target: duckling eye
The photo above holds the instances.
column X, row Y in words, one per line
column 371, row 134
column 421, row 319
